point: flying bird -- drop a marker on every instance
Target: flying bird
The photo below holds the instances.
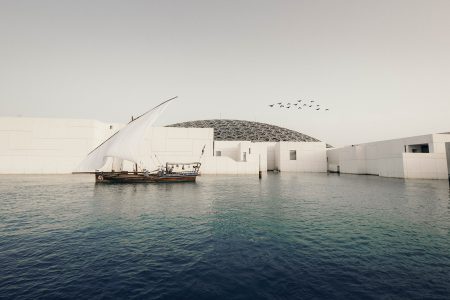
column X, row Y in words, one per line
column 295, row 103
column 318, row 108
column 271, row 105
column 326, row 109
column 299, row 100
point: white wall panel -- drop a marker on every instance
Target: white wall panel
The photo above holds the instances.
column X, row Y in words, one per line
column 311, row 156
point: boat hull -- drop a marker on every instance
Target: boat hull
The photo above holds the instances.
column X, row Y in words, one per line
column 121, row 177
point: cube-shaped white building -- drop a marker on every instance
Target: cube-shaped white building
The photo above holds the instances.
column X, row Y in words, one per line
column 425, row 156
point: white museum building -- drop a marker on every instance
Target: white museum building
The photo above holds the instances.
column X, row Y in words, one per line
column 57, row 146
column 426, row 157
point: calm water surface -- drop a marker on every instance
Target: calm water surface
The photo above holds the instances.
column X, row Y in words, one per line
column 225, row 237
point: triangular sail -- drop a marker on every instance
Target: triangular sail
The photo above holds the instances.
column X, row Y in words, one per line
column 124, row 144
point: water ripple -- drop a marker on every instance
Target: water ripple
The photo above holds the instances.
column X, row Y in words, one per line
column 226, row 237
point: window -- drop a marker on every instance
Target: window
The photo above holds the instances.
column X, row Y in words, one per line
column 218, row 153
column 293, row 154
column 249, row 151
column 419, row 148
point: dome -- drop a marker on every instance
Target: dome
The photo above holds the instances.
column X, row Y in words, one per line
column 240, row 130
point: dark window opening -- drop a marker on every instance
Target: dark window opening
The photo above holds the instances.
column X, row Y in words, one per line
column 419, row 148
column 292, row 154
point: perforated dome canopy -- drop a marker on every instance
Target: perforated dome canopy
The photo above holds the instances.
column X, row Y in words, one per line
column 240, row 130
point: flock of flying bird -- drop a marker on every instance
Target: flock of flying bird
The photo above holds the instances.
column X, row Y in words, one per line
column 300, row 104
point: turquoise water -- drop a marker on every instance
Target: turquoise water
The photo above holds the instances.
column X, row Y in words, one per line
column 225, row 237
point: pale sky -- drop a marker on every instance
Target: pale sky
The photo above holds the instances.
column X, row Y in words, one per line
column 382, row 67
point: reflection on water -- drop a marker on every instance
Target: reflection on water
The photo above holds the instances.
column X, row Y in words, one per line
column 287, row 235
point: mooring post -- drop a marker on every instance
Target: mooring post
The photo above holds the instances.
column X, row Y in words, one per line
column 260, row 173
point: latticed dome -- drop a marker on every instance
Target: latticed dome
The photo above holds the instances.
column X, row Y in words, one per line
column 239, row 130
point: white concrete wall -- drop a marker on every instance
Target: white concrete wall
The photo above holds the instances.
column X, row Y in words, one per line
column 389, row 159
column 54, row 146
column 37, row 145
column 173, row 144
column 228, row 148
column 233, row 155
column 267, row 150
column 447, row 149
column 425, row 165
column 244, row 151
column 333, row 160
column 311, row 156
column 351, row 160
column 439, row 142
column 227, row 165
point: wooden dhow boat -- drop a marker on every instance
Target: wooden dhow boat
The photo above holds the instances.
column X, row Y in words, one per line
column 126, row 144
column 164, row 175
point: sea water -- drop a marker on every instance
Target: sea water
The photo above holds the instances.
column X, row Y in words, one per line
column 225, row 237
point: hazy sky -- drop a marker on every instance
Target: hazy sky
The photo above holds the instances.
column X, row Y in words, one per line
column 383, row 67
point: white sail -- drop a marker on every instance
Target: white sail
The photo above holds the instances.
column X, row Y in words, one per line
column 125, row 144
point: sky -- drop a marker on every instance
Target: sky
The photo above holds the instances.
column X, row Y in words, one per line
column 382, row 67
